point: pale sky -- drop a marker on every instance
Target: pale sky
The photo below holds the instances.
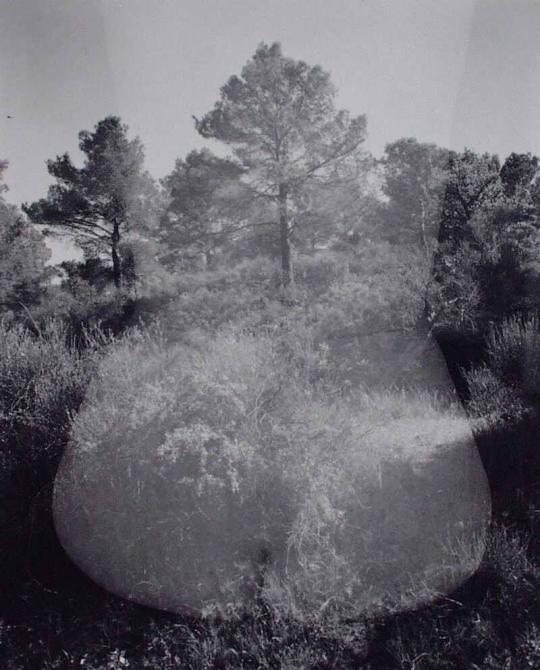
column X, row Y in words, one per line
column 454, row 72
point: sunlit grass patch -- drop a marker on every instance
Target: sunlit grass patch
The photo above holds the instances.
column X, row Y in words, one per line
column 225, row 474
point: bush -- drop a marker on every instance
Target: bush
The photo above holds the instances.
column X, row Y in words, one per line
column 206, row 301
column 82, row 308
column 490, row 623
column 342, row 294
column 43, row 379
column 493, row 404
column 506, row 388
column 514, row 355
column 504, row 401
column 317, row 272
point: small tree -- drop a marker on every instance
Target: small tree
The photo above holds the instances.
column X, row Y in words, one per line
column 280, row 120
column 518, row 171
column 472, row 184
column 489, row 239
column 414, row 181
column 205, row 197
column 100, row 202
column 23, row 256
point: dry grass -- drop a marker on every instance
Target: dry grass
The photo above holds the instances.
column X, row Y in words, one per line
column 235, row 422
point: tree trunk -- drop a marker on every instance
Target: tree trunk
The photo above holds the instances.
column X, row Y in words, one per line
column 284, row 241
column 117, row 270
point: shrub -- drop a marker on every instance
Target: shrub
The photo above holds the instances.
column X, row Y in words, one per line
column 42, row 380
column 206, row 301
column 506, row 388
column 488, row 624
column 514, row 354
column 504, row 395
column 319, row 271
column 493, row 404
column 380, row 293
column 82, row 308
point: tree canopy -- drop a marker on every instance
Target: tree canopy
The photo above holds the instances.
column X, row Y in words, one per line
column 206, row 204
column 414, row 183
column 109, row 196
column 23, row 256
column 281, row 122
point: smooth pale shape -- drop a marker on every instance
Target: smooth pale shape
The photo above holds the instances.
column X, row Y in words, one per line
column 404, row 534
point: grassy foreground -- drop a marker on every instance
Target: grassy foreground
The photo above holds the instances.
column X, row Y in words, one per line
column 52, row 616
column 60, row 620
